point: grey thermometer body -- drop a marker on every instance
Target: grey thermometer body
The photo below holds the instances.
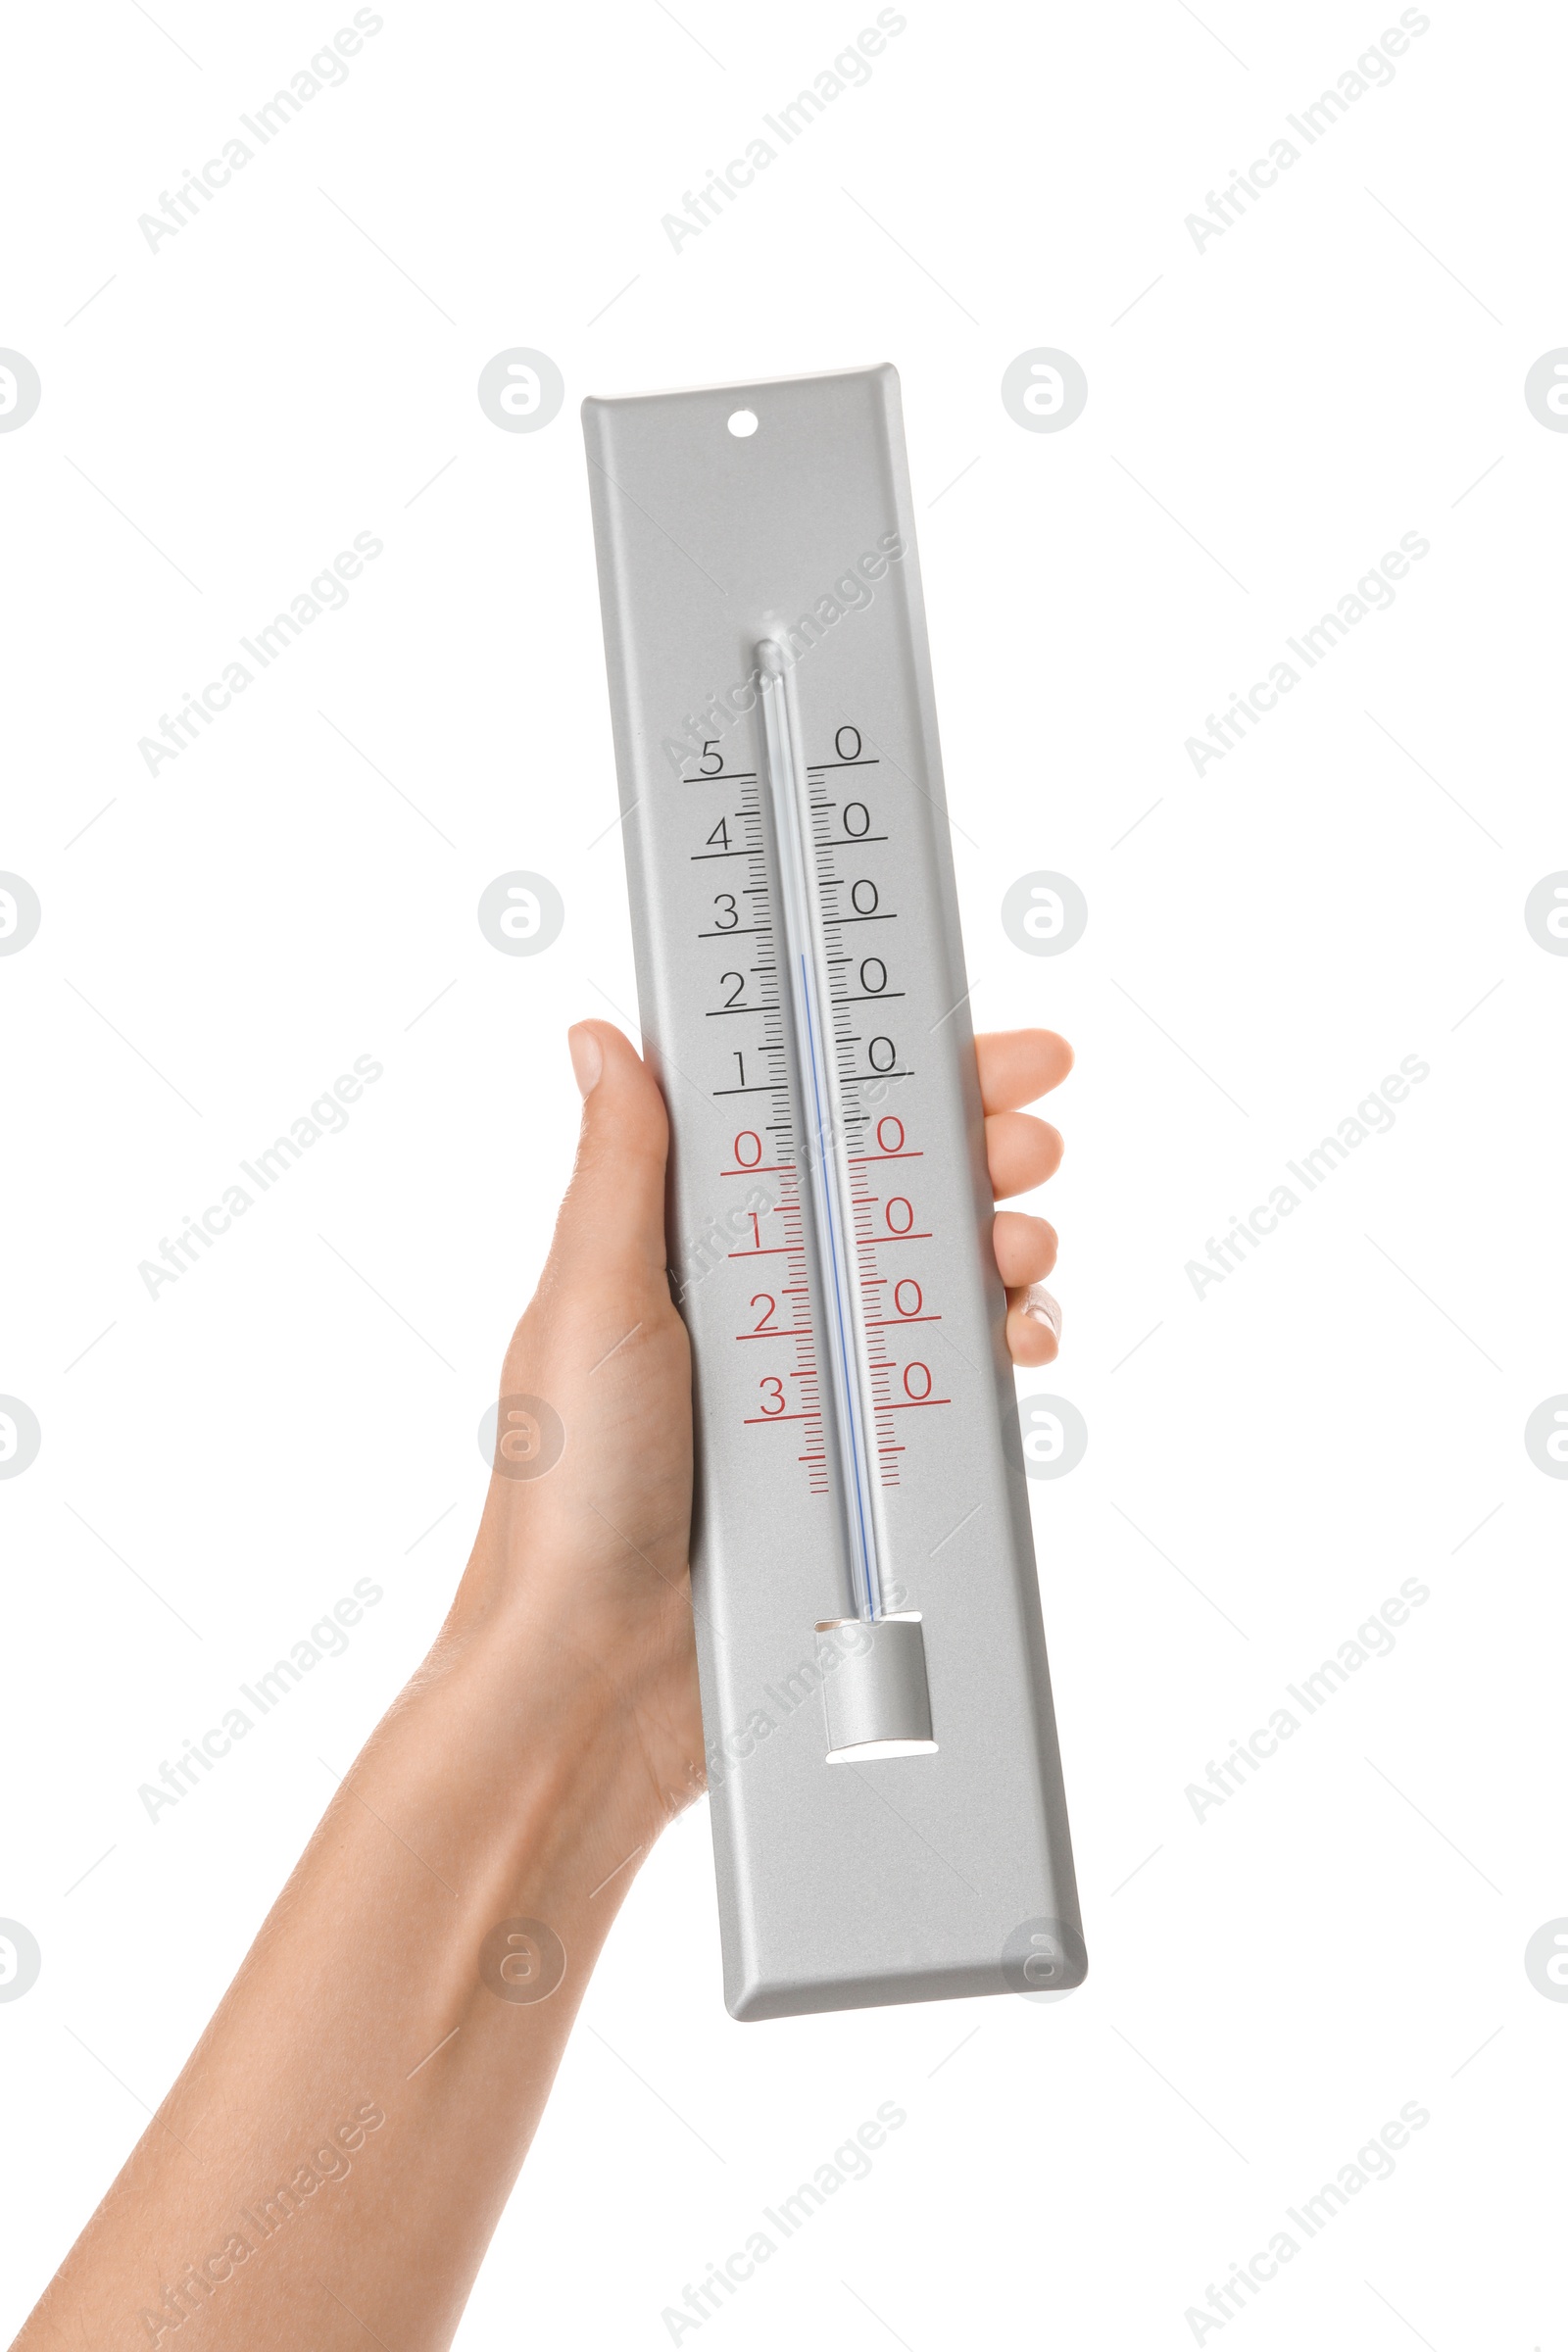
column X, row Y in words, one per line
column 889, row 1822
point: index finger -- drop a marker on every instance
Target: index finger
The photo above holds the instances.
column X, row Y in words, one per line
column 1017, row 1065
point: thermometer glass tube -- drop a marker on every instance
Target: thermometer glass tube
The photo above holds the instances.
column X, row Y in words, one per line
column 798, row 808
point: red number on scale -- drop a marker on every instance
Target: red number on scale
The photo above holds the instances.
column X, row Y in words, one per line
column 914, row 1373
column 773, row 1389
column 915, row 1302
column 769, row 1307
column 899, row 1216
column 889, row 1135
column 750, row 1159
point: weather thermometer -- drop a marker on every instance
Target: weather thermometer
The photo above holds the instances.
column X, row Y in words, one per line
column 888, row 1815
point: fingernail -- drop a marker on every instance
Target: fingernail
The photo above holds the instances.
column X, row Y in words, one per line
column 587, row 1058
column 1044, row 1309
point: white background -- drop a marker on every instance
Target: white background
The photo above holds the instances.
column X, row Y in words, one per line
column 1345, row 364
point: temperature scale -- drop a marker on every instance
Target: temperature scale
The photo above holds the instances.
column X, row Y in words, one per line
column 889, row 1822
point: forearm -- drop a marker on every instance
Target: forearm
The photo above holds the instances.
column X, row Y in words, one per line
column 507, row 1785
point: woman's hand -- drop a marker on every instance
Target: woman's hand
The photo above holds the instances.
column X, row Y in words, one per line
column 382, row 2058
column 592, row 1557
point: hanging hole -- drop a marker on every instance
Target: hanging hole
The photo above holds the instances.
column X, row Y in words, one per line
column 743, row 423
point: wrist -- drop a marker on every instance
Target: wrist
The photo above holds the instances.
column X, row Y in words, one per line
column 552, row 1760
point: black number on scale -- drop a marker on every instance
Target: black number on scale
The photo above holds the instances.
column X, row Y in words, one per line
column 882, row 1053
column 712, row 759
column 740, row 1063
column 873, row 964
column 853, row 734
column 863, row 898
column 739, row 988
column 724, row 899
column 853, row 810
column 719, row 836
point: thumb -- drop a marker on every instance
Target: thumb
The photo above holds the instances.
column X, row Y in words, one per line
column 611, row 1221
